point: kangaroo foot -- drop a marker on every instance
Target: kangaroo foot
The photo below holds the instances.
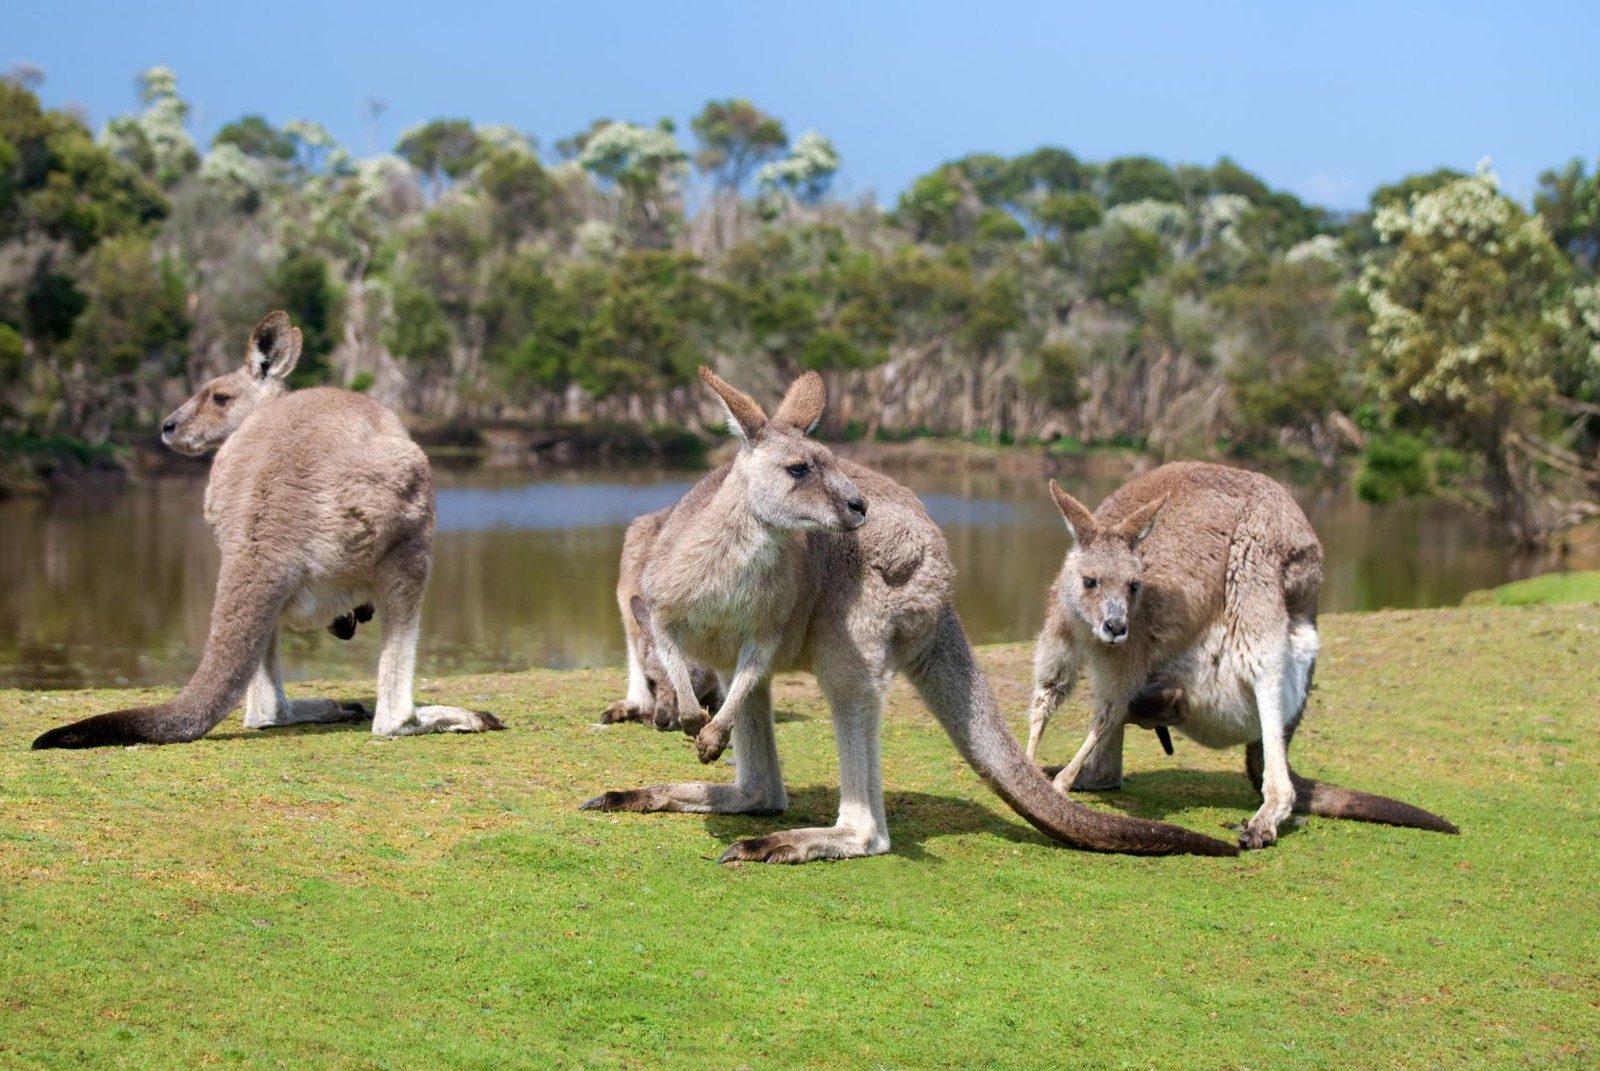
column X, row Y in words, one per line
column 620, row 711
column 1255, row 835
column 804, row 845
column 712, row 740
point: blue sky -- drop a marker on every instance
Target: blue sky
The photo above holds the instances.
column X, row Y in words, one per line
column 1324, row 100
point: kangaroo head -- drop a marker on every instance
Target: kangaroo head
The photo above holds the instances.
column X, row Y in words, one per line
column 791, row 480
column 1104, row 573
column 215, row 412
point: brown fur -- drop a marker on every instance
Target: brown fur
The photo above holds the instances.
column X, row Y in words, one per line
column 790, row 558
column 320, row 503
column 1191, row 595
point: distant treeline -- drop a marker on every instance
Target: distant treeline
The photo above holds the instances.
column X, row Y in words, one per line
column 1448, row 335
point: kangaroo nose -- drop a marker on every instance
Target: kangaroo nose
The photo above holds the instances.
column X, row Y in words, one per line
column 858, row 506
column 1116, row 626
column 169, row 427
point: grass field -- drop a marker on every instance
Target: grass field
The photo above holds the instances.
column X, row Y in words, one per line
column 315, row 898
column 1547, row 590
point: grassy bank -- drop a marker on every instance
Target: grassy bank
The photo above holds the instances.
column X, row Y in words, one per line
column 316, row 898
column 1548, row 590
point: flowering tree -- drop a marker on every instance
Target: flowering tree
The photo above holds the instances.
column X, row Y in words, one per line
column 642, row 162
column 1470, row 315
column 155, row 140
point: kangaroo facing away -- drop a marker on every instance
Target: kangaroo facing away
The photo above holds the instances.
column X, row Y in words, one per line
column 1191, row 596
column 772, row 563
column 321, row 505
column 651, row 698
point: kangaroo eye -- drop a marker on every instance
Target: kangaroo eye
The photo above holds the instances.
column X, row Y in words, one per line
column 1090, row 583
column 1133, row 587
column 798, row 469
column 222, row 399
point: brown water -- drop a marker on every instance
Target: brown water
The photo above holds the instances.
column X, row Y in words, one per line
column 115, row 589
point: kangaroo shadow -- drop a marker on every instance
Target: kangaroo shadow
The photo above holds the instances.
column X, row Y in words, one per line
column 1165, row 795
column 914, row 819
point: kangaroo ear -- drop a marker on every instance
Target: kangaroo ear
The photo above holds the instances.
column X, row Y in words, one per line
column 745, row 418
column 641, row 612
column 274, row 347
column 1080, row 522
column 802, row 406
column 1141, row 522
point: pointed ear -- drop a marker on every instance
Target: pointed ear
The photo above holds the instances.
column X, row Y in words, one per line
column 745, row 418
column 274, row 347
column 1141, row 522
column 641, row 612
column 802, row 406
column 1080, row 522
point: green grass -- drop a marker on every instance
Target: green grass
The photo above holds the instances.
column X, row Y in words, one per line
column 315, row 898
column 1549, row 590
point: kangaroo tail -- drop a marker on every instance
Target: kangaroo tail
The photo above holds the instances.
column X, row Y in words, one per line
column 947, row 675
column 1331, row 801
column 243, row 616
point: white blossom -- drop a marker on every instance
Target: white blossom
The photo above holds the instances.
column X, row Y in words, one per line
column 506, row 139
column 633, row 154
column 1322, row 247
column 807, row 169
column 1161, row 218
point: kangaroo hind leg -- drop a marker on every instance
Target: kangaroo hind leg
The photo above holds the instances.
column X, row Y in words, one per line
column 402, row 578
column 1282, row 685
column 266, row 706
column 757, row 787
column 862, row 828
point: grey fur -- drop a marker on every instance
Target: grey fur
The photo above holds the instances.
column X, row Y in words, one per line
column 320, row 503
column 789, row 558
column 1191, row 597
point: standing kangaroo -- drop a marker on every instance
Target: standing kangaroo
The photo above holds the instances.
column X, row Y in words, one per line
column 651, row 697
column 321, row 504
column 1191, row 594
column 770, row 563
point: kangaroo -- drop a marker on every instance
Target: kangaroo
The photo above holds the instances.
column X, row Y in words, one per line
column 321, row 504
column 1191, row 594
column 650, row 697
column 770, row 563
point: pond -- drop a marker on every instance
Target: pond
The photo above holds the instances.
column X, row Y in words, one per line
column 114, row 589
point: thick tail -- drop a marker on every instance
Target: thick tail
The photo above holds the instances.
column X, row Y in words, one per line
column 1331, row 801
column 948, row 677
column 243, row 615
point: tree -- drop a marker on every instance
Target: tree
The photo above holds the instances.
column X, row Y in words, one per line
column 302, row 286
column 1569, row 202
column 1465, row 332
column 441, row 149
column 735, row 138
column 255, row 137
column 805, row 173
column 1140, row 178
column 155, row 140
column 642, row 163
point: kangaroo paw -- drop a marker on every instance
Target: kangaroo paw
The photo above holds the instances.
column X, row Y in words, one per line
column 712, row 740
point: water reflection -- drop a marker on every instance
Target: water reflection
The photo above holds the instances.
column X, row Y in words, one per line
column 115, row 589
